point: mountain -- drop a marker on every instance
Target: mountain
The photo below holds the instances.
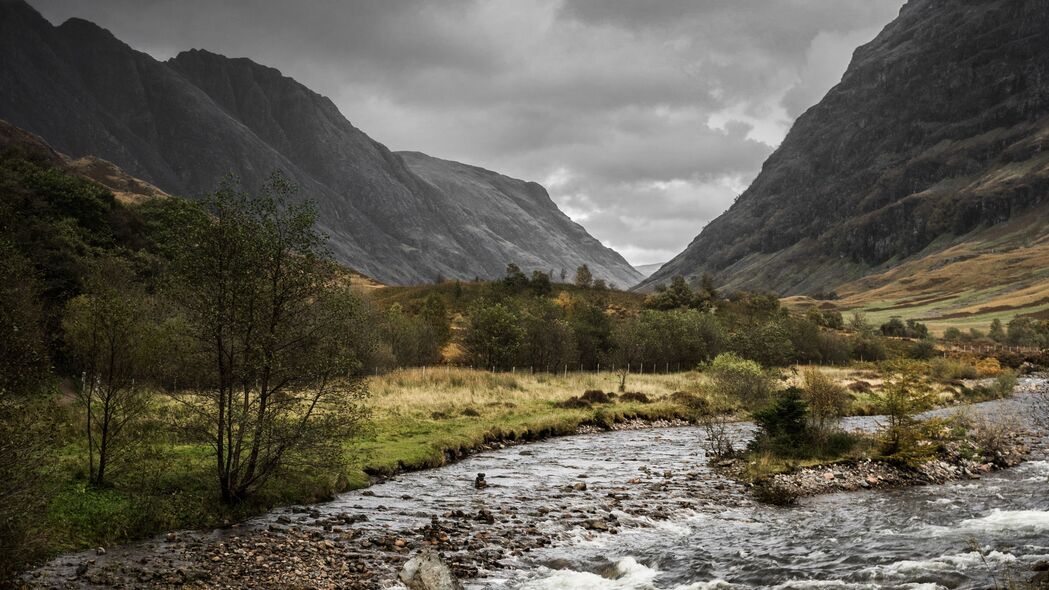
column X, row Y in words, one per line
column 516, row 220
column 186, row 123
column 649, row 269
column 933, row 142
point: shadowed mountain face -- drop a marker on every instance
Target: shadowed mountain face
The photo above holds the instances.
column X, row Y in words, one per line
column 186, row 123
column 937, row 131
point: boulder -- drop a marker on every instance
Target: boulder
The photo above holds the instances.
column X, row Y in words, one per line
column 428, row 571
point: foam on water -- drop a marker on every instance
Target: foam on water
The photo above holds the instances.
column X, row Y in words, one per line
column 1008, row 520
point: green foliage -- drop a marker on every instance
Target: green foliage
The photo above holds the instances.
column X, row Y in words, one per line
column 583, row 277
column 740, row 379
column 23, row 351
column 900, row 401
column 783, row 426
column 827, row 402
column 492, row 336
column 997, row 333
column 897, row 328
column 274, row 334
column 547, row 340
column 951, row 369
column 592, row 329
column 678, row 295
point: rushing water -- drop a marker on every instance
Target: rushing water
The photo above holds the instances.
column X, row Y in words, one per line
column 966, row 534
column 678, row 525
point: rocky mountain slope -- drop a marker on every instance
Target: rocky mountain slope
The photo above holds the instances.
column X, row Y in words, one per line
column 484, row 200
column 184, row 124
column 935, row 136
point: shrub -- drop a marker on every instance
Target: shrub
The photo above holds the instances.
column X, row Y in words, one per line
column 635, row 396
column 783, row 426
column 922, row 350
column 900, row 402
column 949, row 369
column 827, row 401
column 741, row 380
column 595, row 396
column 988, row 367
column 1004, row 383
column 868, row 347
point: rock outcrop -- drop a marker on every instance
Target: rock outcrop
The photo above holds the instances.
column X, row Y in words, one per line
column 938, row 129
column 184, row 124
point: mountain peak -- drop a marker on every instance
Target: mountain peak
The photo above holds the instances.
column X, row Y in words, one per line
column 929, row 136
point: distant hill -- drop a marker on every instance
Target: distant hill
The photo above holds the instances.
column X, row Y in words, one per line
column 922, row 175
column 183, row 124
column 649, row 269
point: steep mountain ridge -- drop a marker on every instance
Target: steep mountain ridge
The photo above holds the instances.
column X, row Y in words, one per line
column 484, row 198
column 935, row 132
column 184, row 124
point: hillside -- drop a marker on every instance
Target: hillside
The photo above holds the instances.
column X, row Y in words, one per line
column 925, row 160
column 184, row 124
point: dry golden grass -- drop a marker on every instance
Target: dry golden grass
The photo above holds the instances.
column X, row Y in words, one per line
column 450, row 389
column 996, row 273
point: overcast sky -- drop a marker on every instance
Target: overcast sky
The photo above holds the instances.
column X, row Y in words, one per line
column 643, row 118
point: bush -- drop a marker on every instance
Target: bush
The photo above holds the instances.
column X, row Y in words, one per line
column 950, row 369
column 868, row 347
column 1004, row 383
column 827, row 402
column 783, row 427
column 988, row 367
column 924, row 349
column 741, row 380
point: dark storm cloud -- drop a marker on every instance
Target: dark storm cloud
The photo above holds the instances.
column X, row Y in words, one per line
column 644, row 118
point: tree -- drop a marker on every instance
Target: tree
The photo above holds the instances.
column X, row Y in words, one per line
column 901, row 400
column 492, row 336
column 276, row 363
column 564, row 274
column 438, row 330
column 515, row 280
column 23, row 352
column 110, row 332
column 997, row 332
column 600, row 285
column 740, row 380
column 827, row 401
column 783, row 425
column 592, row 330
column 583, row 278
column 540, row 284
column 546, row 340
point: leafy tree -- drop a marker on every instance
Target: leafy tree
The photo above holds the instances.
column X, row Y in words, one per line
column 540, row 284
column 583, row 277
column 997, row 332
column 901, row 400
column 600, row 285
column 827, row 401
column 547, row 341
column 275, row 359
column 23, row 353
column 952, row 334
column 493, row 336
column 741, row 380
column 515, row 280
column 111, row 331
column 592, row 330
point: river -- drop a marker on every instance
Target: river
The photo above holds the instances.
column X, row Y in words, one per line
column 675, row 524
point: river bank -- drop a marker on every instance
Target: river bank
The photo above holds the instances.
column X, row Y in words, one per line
column 543, row 503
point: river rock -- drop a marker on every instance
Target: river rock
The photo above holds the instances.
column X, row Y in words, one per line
column 428, row 571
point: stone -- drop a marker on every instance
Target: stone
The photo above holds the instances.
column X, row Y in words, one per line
column 428, row 571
